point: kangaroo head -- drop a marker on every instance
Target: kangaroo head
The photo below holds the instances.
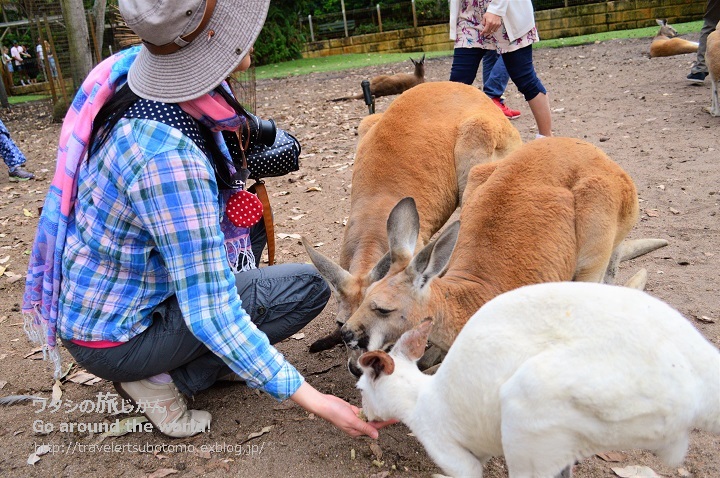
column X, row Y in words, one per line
column 401, row 299
column 665, row 29
column 419, row 66
column 387, row 380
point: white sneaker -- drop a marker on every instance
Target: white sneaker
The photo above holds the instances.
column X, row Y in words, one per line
column 165, row 407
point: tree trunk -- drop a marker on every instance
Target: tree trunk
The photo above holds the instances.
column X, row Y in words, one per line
column 99, row 14
column 3, row 95
column 78, row 39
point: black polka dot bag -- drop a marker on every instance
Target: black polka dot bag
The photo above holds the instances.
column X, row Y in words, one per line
column 281, row 158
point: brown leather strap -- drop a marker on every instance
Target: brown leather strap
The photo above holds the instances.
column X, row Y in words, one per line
column 259, row 189
column 182, row 41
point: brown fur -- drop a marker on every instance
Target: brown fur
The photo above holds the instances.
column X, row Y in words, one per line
column 424, row 145
column 554, row 210
column 666, row 43
column 712, row 58
column 386, row 85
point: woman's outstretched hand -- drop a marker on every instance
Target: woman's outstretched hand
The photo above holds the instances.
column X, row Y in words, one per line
column 337, row 411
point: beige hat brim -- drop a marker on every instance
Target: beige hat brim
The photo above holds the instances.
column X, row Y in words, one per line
column 202, row 65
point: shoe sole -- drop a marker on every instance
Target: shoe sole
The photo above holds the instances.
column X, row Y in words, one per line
column 696, row 82
column 512, row 117
column 17, row 180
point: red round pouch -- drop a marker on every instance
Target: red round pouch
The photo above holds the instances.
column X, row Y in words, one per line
column 244, row 209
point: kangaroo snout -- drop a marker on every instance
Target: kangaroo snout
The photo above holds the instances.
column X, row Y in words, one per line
column 353, row 339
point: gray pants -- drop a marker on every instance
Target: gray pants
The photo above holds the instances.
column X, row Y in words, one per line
column 280, row 300
column 710, row 20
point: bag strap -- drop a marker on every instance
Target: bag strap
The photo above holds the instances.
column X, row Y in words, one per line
column 259, row 188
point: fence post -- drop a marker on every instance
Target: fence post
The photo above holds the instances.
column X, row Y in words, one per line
column 414, row 14
column 379, row 18
column 312, row 33
column 342, row 5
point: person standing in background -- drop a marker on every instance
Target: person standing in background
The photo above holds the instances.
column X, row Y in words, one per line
column 495, row 81
column 16, row 52
column 8, row 65
column 13, row 157
column 508, row 27
column 699, row 70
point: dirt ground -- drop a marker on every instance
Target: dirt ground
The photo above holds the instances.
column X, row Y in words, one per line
column 642, row 112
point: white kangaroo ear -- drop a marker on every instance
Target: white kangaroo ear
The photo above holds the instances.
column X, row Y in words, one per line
column 377, row 362
column 412, row 343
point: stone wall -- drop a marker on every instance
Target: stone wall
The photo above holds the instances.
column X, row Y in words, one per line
column 555, row 23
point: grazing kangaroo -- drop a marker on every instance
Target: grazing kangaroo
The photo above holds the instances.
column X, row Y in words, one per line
column 423, row 146
column 556, row 209
column 665, row 42
column 549, row 374
column 386, row 85
column 712, row 57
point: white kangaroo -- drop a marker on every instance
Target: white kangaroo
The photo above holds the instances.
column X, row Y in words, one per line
column 549, row 374
column 666, row 43
column 556, row 209
column 712, row 57
column 423, row 146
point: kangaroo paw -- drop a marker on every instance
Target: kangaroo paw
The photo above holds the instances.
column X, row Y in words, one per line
column 327, row 342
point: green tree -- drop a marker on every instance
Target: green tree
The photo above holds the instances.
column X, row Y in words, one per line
column 281, row 38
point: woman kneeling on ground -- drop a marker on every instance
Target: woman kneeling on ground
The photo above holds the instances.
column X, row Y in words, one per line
column 135, row 265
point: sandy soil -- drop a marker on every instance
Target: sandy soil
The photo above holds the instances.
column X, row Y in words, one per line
column 642, row 112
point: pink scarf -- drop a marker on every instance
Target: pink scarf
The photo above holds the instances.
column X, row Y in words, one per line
column 42, row 286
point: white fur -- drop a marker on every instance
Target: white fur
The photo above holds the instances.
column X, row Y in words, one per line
column 551, row 373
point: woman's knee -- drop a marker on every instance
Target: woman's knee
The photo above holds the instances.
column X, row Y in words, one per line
column 519, row 65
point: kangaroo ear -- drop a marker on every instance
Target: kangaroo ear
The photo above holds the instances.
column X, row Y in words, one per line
column 412, row 343
column 403, row 226
column 377, row 362
column 434, row 258
column 381, row 268
column 335, row 275
column 660, row 22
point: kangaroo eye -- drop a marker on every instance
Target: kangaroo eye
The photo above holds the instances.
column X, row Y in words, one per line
column 381, row 310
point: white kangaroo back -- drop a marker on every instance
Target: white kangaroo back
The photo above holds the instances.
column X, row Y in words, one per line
column 551, row 373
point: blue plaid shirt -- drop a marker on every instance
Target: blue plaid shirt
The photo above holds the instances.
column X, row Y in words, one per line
column 147, row 226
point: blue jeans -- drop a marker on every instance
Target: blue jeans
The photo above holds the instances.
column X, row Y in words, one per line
column 9, row 151
column 495, row 75
column 519, row 64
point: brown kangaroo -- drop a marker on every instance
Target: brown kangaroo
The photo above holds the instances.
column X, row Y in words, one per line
column 665, row 42
column 556, row 209
column 423, row 146
column 386, row 85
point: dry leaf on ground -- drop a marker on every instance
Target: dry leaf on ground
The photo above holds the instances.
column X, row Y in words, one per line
column 635, row 471
column 162, row 472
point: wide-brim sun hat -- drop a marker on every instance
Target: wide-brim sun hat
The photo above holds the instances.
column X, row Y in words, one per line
column 189, row 46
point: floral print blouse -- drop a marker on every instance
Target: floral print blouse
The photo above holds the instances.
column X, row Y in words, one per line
column 470, row 25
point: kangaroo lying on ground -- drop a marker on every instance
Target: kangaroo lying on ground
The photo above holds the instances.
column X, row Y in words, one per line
column 549, row 374
column 556, row 209
column 386, row 85
column 665, row 42
column 712, row 57
column 423, row 146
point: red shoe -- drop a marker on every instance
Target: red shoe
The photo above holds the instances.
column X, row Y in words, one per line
column 510, row 114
